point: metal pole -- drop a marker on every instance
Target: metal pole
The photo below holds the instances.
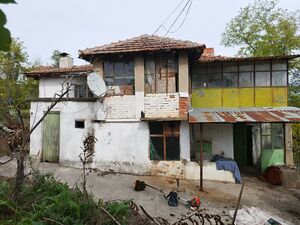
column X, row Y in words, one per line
column 201, row 157
column 237, row 204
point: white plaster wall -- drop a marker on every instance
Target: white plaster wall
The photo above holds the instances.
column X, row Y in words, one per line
column 221, row 136
column 122, row 146
column 48, row 87
column 70, row 137
column 256, row 144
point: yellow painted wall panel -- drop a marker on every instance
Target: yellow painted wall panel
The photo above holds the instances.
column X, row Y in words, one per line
column 279, row 96
column 207, row 97
column 263, row 97
column 231, row 97
column 246, row 97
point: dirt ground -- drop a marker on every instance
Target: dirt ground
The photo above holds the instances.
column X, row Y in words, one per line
column 217, row 196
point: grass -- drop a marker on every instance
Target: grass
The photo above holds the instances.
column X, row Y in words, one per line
column 44, row 200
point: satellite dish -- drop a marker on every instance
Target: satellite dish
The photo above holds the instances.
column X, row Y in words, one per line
column 96, row 84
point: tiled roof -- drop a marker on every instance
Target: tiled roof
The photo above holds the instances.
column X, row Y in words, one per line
column 52, row 71
column 143, row 43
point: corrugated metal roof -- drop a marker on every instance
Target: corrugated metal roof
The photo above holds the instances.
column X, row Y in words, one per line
column 235, row 115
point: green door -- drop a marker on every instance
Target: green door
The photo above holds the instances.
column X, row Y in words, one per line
column 240, row 143
column 50, row 151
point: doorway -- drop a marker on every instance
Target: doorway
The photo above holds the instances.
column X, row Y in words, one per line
column 50, row 144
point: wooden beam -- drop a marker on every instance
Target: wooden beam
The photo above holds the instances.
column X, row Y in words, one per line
column 201, row 157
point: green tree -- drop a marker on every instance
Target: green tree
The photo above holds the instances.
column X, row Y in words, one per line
column 14, row 61
column 5, row 39
column 263, row 29
column 55, row 58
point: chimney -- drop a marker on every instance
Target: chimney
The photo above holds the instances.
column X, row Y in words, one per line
column 66, row 61
column 208, row 52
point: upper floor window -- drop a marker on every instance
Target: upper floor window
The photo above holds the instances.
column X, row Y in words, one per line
column 161, row 74
column 119, row 76
column 263, row 73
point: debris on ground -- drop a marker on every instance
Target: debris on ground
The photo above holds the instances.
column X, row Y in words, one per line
column 255, row 216
column 5, row 159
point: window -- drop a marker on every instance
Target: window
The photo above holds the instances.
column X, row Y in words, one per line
column 262, row 73
column 161, row 74
column 79, row 124
column 119, row 76
column 279, row 73
column 79, row 90
column 214, row 75
column 164, row 141
column 265, row 73
column 272, row 136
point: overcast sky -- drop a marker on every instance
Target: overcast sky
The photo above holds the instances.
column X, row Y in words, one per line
column 70, row 25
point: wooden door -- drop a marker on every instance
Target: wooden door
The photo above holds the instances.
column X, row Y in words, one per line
column 50, row 147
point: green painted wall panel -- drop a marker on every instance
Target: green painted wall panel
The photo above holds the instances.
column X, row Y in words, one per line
column 273, row 157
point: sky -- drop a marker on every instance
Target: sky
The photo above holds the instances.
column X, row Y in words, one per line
column 69, row 25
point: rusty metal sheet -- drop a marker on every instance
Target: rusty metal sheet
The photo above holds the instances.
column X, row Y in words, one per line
column 250, row 115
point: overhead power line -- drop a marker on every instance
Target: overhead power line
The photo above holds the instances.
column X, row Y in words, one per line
column 186, row 8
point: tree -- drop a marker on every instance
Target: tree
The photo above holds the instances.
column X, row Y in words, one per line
column 263, row 29
column 5, row 39
column 14, row 61
column 55, row 58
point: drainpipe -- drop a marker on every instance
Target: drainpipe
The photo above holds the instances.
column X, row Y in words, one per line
column 201, row 157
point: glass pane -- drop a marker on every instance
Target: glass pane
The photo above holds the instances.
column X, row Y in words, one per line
column 214, row 80
column 266, row 129
column 230, row 79
column 198, row 81
column 149, row 65
column 214, row 67
column 108, row 69
column 129, row 68
column 279, row 78
column 109, row 81
column 173, row 150
column 129, row 80
column 246, row 79
column 262, row 79
column 118, row 81
column 172, row 63
column 266, row 142
column 246, row 66
column 156, row 128
column 161, row 66
column 80, row 91
column 119, row 69
column 277, row 135
column 156, row 148
column 279, row 65
column 262, row 65
column 230, row 67
column 198, row 68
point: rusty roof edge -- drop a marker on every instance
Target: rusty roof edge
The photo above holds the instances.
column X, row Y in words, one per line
column 240, row 58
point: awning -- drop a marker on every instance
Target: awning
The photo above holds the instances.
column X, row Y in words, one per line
column 251, row 115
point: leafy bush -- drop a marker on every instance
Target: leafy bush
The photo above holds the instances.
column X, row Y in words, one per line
column 44, row 200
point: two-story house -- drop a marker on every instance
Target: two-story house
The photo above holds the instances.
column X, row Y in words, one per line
column 161, row 93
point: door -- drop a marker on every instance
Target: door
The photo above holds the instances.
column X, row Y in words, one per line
column 240, row 143
column 50, row 147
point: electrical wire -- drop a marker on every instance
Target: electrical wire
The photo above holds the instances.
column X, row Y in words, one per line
column 187, row 12
column 162, row 24
column 177, row 18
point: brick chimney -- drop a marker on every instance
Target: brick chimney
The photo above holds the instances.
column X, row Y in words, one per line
column 66, row 61
column 208, row 52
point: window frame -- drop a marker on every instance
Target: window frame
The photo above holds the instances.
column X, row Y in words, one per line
column 164, row 135
column 201, row 77
column 115, row 77
column 155, row 58
column 272, row 134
